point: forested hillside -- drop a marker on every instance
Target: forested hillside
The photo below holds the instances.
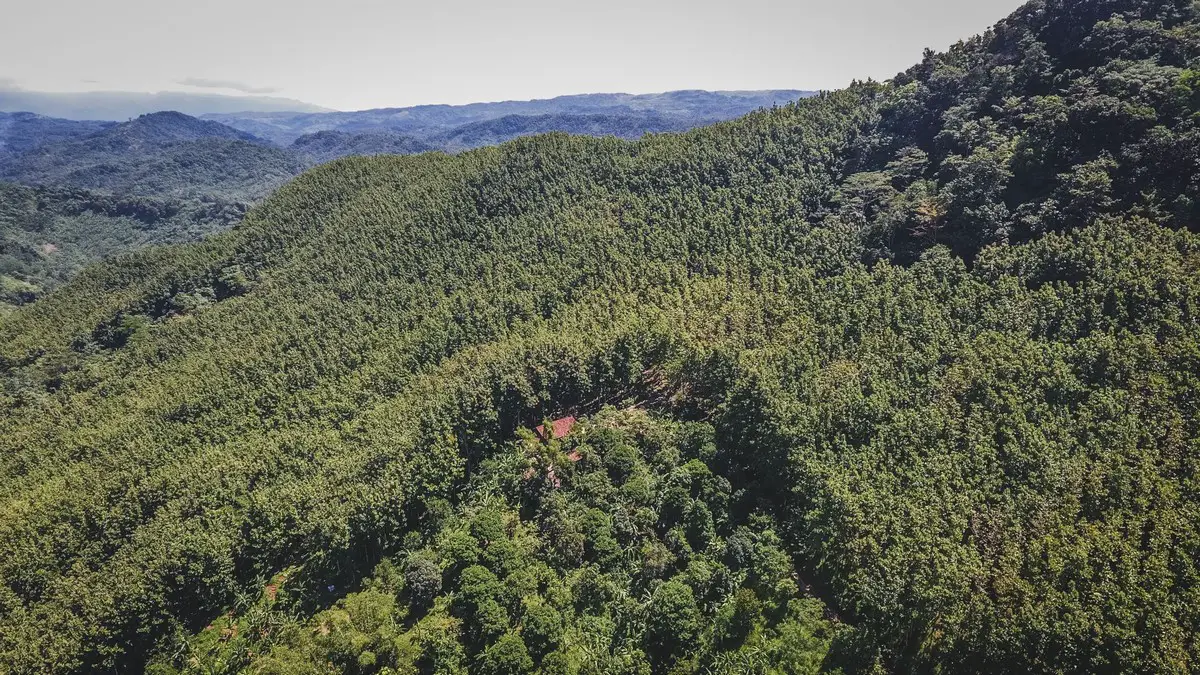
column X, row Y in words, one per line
column 194, row 164
column 48, row 234
column 900, row 378
column 168, row 154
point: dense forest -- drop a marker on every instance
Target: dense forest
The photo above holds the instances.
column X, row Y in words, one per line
column 898, row 378
column 48, row 234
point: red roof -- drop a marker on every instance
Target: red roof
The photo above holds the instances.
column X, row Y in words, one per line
column 560, row 427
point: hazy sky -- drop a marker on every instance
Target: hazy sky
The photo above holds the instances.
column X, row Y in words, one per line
column 354, row 54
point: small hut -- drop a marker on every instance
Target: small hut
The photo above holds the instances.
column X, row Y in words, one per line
column 558, row 429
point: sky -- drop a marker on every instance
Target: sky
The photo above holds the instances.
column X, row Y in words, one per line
column 357, row 54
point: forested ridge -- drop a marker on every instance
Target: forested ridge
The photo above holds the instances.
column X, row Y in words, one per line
column 899, row 378
column 682, row 109
column 211, row 171
column 168, row 154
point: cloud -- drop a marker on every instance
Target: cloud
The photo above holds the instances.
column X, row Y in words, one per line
column 225, row 84
column 9, row 84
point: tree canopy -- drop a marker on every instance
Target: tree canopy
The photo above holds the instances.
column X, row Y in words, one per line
column 898, row 378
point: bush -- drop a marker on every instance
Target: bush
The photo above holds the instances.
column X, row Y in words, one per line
column 542, row 630
column 423, row 579
column 508, row 656
column 673, row 624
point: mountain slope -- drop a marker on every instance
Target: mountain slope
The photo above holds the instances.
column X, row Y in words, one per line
column 434, row 272
column 172, row 156
column 900, row 378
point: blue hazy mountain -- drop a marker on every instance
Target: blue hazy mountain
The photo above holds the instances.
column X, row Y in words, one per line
column 683, row 109
column 24, row 131
column 161, row 154
column 124, row 105
column 323, row 146
column 629, row 125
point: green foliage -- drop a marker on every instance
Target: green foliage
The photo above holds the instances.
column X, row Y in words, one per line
column 900, row 378
column 423, row 579
column 740, row 618
column 552, row 616
column 507, row 657
column 672, row 624
column 47, row 235
column 177, row 178
column 542, row 629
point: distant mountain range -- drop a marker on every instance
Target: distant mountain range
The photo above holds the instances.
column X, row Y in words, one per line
column 124, row 105
column 324, row 146
column 628, row 125
column 675, row 109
